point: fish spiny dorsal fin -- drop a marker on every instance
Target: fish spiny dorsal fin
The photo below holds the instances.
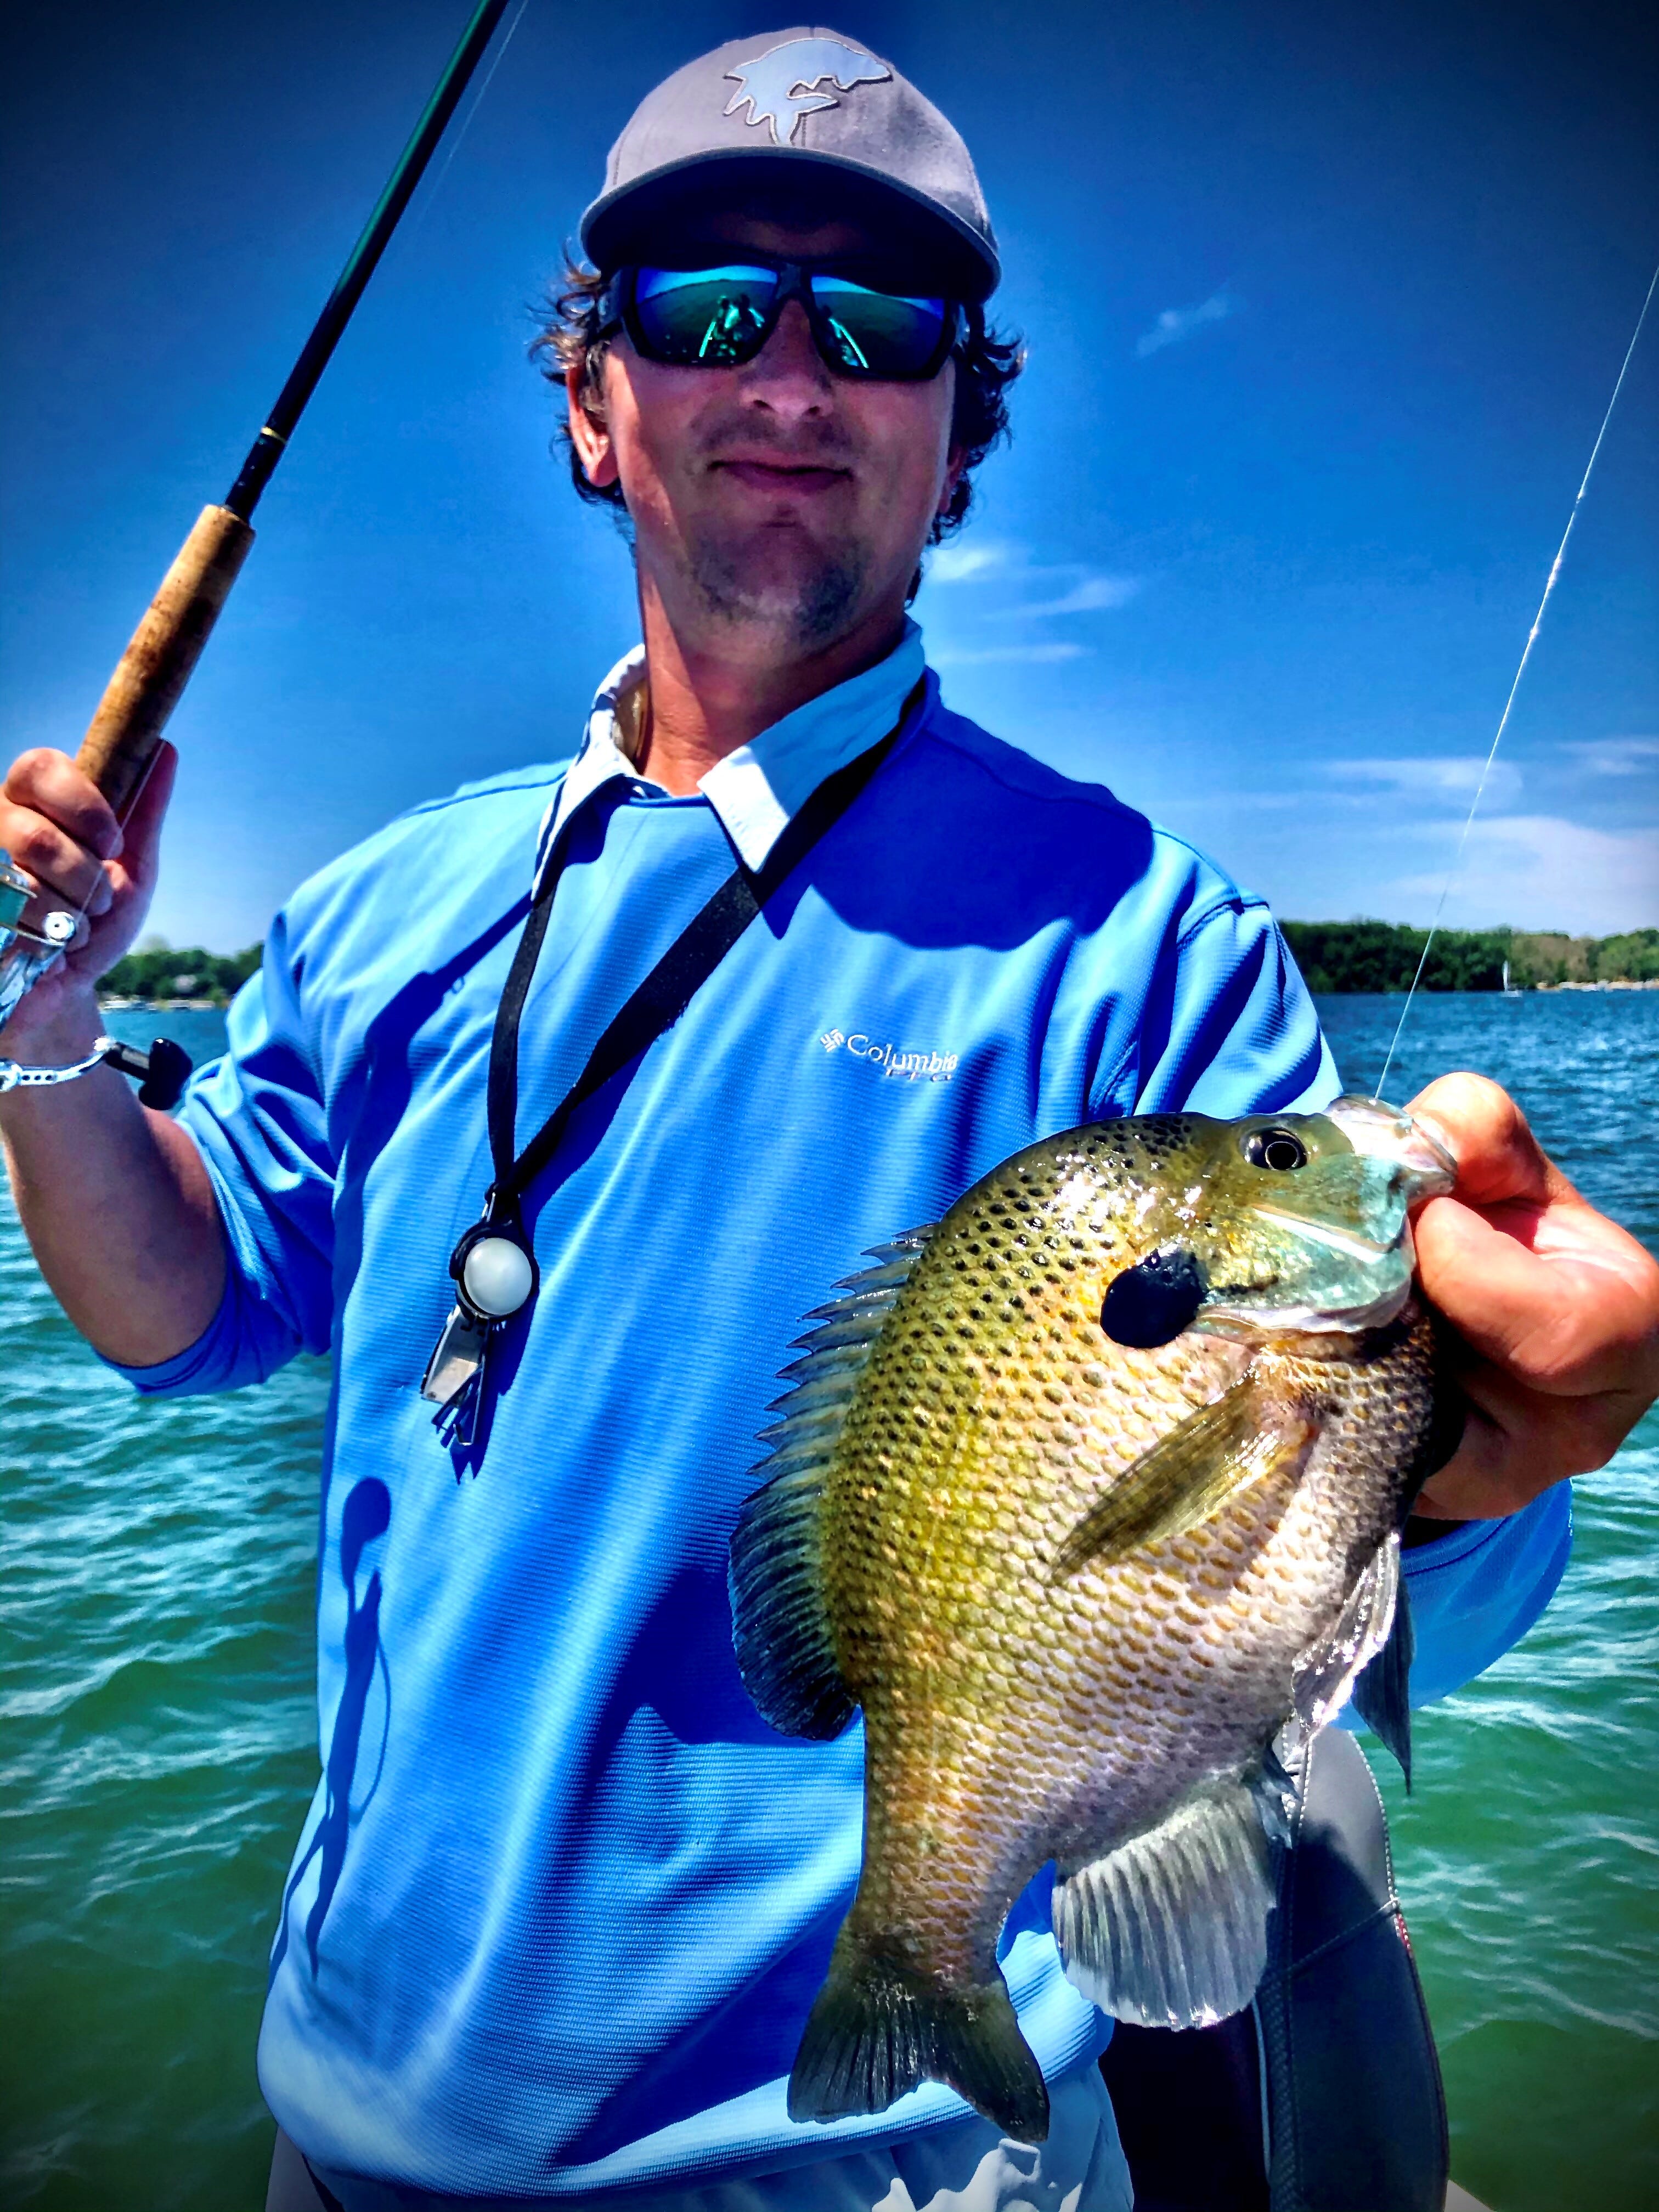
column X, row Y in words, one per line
column 781, row 1634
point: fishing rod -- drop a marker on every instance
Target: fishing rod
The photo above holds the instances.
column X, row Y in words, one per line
column 120, row 744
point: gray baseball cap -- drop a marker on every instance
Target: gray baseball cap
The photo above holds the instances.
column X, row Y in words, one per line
column 761, row 112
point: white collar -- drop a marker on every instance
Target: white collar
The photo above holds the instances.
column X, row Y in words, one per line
column 756, row 790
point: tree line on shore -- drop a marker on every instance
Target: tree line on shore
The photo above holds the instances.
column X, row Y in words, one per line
column 1382, row 956
column 162, row 971
column 1333, row 955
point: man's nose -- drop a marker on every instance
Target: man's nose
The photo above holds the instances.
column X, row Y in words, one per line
column 788, row 375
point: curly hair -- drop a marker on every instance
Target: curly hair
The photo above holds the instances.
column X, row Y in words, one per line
column 569, row 336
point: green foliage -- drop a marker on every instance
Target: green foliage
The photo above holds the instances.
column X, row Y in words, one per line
column 161, row 972
column 1382, row 956
column 1634, row 955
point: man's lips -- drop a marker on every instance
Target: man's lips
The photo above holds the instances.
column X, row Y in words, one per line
column 775, row 475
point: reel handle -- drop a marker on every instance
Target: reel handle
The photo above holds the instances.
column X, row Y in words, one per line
column 122, row 735
column 161, row 1073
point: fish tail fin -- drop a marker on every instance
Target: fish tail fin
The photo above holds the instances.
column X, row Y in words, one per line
column 878, row 2029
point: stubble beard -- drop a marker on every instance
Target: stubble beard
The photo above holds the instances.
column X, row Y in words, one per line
column 805, row 605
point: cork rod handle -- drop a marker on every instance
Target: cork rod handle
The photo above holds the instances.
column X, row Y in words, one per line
column 122, row 735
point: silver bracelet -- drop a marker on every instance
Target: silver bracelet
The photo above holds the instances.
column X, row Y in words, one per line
column 15, row 1078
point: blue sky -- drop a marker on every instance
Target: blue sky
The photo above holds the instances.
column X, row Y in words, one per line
column 1324, row 305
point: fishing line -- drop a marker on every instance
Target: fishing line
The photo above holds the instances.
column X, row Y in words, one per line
column 1504, row 720
column 454, row 147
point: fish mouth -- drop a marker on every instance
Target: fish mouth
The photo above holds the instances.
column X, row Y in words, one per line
column 1389, row 1265
column 1263, row 1325
column 1424, row 1164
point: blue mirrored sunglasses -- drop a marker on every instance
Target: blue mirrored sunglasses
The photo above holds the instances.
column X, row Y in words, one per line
column 721, row 316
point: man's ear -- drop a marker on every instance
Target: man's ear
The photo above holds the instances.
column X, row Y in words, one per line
column 590, row 437
column 955, row 462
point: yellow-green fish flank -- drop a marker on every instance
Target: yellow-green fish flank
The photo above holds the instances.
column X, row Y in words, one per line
column 1087, row 1497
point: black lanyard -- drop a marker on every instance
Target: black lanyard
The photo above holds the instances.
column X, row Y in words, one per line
column 492, row 1265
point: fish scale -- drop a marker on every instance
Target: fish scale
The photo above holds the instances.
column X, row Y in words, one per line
column 1078, row 1582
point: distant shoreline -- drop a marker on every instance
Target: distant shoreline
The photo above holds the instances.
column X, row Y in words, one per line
column 1341, row 957
column 1335, row 957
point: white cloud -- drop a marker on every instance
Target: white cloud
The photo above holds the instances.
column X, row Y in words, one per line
column 964, row 564
column 1542, row 872
column 1087, row 596
column 977, row 656
column 1177, row 322
column 1449, row 774
column 1618, row 756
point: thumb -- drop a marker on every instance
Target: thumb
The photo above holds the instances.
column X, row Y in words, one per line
column 141, row 828
column 1499, row 1159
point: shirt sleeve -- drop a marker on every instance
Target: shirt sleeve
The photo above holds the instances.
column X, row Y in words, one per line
column 1477, row 1590
column 257, row 1116
column 1229, row 1027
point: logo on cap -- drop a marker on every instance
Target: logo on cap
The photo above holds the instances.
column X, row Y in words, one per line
column 785, row 80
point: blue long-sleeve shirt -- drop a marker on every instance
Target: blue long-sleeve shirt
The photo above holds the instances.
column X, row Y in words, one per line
column 563, row 1900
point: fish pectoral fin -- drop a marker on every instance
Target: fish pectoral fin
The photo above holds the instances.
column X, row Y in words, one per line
column 1202, row 1466
column 878, row 2029
column 1170, row 1929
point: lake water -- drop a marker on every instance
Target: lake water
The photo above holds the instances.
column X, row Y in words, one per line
column 159, row 1739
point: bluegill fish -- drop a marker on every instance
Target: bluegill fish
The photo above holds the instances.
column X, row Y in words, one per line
column 1090, row 1496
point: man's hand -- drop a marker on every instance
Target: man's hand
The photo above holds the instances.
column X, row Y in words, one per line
column 61, row 830
column 1556, row 1306
column 115, row 1198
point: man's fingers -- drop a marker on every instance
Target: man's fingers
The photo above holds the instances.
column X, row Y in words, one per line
column 1497, row 1156
column 46, row 782
column 67, row 875
column 1559, row 1295
column 1518, row 1442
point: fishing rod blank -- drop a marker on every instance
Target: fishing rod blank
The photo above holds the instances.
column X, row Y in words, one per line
column 122, row 738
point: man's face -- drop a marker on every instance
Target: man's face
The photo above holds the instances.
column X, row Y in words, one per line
column 777, row 508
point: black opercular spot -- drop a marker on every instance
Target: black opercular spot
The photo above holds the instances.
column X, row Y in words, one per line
column 1279, row 1149
column 1151, row 1304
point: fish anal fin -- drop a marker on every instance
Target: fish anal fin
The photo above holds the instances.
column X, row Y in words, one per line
column 1170, row 1929
column 879, row 2028
column 1200, row 1466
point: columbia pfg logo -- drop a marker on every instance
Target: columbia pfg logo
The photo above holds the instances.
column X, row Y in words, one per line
column 784, row 82
column 892, row 1062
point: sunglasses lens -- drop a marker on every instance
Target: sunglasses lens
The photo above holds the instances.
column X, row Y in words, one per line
column 879, row 333
column 715, row 317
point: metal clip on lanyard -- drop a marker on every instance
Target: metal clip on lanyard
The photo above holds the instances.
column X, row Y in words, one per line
column 494, row 1265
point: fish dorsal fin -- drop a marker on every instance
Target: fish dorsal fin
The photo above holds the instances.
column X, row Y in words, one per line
column 785, row 1647
column 1202, row 1466
column 1170, row 1929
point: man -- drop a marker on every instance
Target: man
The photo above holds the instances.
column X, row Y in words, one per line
column 563, row 1900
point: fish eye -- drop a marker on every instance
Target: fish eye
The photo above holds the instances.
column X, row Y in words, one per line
column 1279, row 1149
